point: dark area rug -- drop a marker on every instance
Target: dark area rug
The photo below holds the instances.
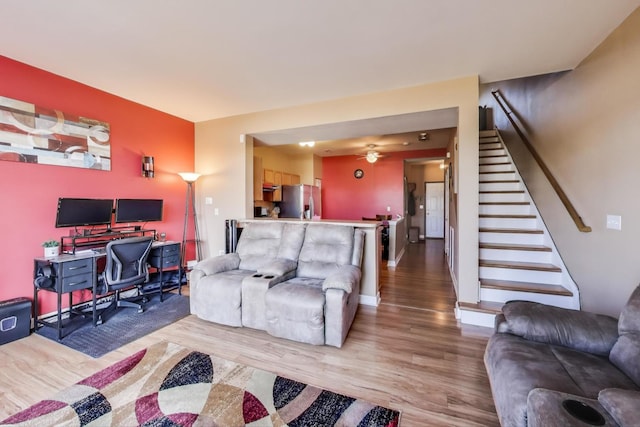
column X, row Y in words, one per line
column 169, row 385
column 122, row 326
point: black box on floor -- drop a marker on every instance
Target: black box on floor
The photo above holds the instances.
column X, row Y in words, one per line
column 15, row 319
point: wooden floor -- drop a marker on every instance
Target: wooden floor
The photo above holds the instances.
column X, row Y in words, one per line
column 409, row 353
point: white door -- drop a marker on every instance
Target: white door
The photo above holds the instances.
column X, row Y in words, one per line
column 434, row 225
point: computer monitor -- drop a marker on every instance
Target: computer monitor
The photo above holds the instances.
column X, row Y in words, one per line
column 75, row 212
column 138, row 210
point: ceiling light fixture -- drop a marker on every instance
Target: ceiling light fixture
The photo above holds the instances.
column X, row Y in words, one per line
column 424, row 136
column 372, row 156
column 307, row 143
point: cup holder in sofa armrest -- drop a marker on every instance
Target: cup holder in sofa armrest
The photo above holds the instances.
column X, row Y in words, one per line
column 257, row 275
column 583, row 412
column 269, row 276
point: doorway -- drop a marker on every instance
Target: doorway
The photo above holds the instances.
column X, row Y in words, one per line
column 434, row 210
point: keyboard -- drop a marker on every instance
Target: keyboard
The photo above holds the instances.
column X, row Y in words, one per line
column 94, row 251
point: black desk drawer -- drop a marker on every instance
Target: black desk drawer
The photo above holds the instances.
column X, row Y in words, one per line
column 166, row 249
column 80, row 266
column 76, row 282
column 164, row 262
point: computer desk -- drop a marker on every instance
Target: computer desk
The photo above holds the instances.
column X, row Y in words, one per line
column 68, row 273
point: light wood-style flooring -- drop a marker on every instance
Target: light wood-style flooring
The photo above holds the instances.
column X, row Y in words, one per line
column 409, row 353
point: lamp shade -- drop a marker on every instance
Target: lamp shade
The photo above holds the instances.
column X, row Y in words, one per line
column 189, row 176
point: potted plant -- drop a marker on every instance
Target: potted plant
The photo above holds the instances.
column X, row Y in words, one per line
column 51, row 248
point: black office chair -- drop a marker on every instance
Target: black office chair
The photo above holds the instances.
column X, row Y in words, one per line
column 125, row 269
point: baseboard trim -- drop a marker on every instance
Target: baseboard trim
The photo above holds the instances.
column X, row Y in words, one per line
column 396, row 261
column 370, row 300
column 475, row 318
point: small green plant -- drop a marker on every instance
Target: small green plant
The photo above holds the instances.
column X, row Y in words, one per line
column 50, row 243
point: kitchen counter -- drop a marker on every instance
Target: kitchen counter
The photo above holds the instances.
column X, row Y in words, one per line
column 372, row 254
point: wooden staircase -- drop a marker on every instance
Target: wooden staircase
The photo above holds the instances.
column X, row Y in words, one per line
column 517, row 257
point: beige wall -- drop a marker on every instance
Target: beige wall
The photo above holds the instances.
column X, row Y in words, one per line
column 226, row 161
column 586, row 126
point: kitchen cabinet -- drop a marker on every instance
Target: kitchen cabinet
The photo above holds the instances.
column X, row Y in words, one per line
column 258, row 178
column 268, row 176
column 277, row 181
column 286, row 179
column 295, row 179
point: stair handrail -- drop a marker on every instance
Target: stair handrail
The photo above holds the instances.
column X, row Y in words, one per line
column 552, row 180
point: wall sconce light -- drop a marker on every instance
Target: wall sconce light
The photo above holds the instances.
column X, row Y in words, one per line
column 147, row 166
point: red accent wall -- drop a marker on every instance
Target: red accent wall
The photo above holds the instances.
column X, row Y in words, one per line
column 29, row 192
column 345, row 197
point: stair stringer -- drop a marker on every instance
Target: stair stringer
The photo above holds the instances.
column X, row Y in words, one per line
column 562, row 278
column 566, row 281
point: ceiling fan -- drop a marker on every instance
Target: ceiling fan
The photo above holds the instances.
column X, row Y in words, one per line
column 372, row 155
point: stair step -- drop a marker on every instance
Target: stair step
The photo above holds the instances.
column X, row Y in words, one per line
column 502, row 192
column 489, row 133
column 501, row 181
column 490, row 208
column 489, row 307
column 536, row 288
column 511, row 230
column 492, row 161
column 507, row 216
column 535, row 266
column 515, row 247
column 492, row 156
column 505, row 203
column 496, row 166
column 488, row 172
column 490, row 145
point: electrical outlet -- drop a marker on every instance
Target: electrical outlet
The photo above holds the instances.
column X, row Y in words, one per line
column 216, row 211
column 388, row 208
column 208, row 200
column 614, row 222
column 221, row 252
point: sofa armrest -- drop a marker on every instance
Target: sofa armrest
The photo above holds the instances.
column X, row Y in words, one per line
column 622, row 405
column 580, row 330
column 346, row 278
column 217, row 264
column 278, row 267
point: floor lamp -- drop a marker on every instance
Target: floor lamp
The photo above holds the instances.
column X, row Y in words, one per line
column 190, row 178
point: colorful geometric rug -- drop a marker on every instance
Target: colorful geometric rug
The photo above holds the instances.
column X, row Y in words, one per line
column 169, row 385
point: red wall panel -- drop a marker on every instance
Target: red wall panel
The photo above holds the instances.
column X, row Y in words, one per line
column 345, row 197
column 29, row 192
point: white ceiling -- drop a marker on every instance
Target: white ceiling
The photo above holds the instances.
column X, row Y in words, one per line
column 205, row 59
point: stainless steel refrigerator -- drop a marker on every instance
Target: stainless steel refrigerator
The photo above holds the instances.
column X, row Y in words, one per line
column 301, row 201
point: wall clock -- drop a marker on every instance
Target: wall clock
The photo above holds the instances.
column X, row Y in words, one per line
column 358, row 173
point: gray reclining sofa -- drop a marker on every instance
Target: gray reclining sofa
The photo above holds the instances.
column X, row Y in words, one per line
column 294, row 280
column 550, row 366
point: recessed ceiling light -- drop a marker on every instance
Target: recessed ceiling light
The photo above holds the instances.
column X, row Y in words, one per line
column 406, row 143
column 307, row 143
